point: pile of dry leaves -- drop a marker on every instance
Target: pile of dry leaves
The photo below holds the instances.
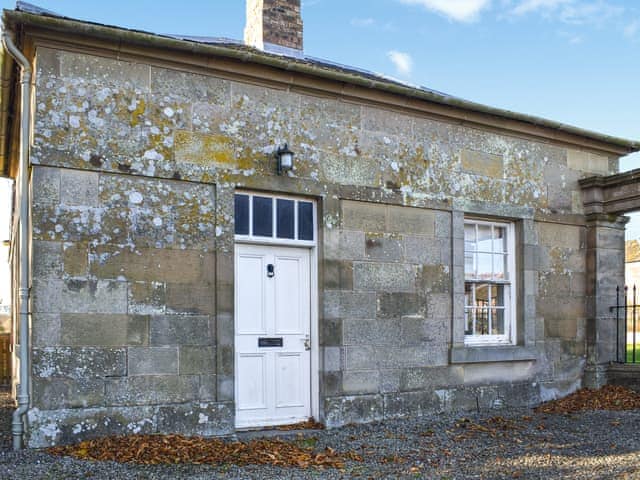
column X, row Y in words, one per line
column 173, row 449
column 310, row 424
column 609, row 397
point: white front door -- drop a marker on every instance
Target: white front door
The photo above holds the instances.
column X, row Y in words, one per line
column 272, row 328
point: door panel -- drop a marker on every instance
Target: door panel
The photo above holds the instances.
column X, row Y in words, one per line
column 289, row 379
column 252, row 382
column 250, row 306
column 273, row 381
column 289, row 308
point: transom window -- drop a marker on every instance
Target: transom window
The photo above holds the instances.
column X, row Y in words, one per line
column 489, row 288
column 280, row 219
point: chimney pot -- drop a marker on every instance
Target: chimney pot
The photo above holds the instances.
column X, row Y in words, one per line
column 274, row 25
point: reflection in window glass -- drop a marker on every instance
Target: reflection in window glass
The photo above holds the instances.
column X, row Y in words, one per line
column 499, row 240
column 469, row 237
column 499, row 267
column 242, row 214
column 262, row 216
column 484, row 238
column 484, row 268
column 305, row 221
column 285, row 218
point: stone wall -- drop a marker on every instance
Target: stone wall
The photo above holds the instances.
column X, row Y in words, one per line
column 136, row 166
column 124, row 304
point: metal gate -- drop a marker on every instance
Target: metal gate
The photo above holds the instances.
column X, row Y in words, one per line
column 627, row 325
column 5, row 360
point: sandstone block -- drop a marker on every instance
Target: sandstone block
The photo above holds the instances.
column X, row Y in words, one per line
column 339, row 304
column 385, row 248
column 197, row 360
column 152, row 361
column 208, row 388
column 410, row 220
column 205, row 419
column 386, row 277
column 482, row 163
column 353, row 409
column 412, row 404
column 151, row 390
column 79, row 296
column 363, row 216
column 79, row 188
column 75, row 257
column 60, row 393
column 104, row 330
column 193, row 298
column 79, row 363
column 181, row 330
column 360, row 382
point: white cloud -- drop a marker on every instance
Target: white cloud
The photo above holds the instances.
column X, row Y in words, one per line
column 575, row 12
column 363, row 22
column 459, row 10
column 402, row 61
column 528, row 6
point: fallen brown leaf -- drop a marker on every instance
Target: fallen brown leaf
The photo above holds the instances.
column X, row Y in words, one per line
column 173, row 449
column 609, row 397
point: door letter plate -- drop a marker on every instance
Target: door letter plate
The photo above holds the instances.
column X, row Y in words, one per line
column 270, row 342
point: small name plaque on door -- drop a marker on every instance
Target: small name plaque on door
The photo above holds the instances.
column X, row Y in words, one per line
column 270, row 342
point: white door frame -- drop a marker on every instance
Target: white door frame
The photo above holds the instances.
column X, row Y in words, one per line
column 313, row 294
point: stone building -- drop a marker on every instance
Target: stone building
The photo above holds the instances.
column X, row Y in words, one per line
column 423, row 253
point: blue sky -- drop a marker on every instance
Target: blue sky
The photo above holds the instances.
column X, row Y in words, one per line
column 574, row 61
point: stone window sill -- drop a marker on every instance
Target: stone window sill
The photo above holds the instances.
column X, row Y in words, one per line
column 510, row 353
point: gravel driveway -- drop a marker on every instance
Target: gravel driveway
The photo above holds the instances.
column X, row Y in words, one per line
column 494, row 444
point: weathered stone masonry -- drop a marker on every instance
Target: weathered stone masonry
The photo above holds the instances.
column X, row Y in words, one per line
column 135, row 168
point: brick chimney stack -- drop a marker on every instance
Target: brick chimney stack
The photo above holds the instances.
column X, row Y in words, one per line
column 274, row 25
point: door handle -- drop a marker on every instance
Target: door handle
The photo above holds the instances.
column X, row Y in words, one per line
column 307, row 343
column 271, row 270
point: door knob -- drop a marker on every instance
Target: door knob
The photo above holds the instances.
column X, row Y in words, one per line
column 270, row 270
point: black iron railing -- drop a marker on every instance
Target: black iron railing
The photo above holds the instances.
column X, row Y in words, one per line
column 627, row 325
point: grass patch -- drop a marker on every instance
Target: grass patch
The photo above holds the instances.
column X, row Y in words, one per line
column 630, row 349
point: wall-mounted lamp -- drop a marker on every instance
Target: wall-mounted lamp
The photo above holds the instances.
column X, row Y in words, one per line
column 284, row 157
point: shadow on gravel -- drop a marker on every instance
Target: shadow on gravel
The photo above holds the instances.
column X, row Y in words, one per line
column 6, row 410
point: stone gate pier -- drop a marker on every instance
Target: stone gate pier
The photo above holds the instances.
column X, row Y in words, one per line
column 606, row 200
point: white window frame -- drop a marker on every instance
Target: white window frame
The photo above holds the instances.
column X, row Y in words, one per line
column 510, row 288
column 273, row 239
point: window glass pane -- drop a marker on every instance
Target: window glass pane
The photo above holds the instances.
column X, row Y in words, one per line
column 483, row 294
column 305, row 221
column 484, row 267
column 469, row 237
column 482, row 321
column 285, row 219
column 468, row 294
column 499, row 292
column 499, row 267
column 242, row 214
column 497, row 321
column 468, row 321
column 469, row 268
column 484, row 238
column 499, row 239
column 262, row 216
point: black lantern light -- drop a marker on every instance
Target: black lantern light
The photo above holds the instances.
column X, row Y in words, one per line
column 284, row 157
